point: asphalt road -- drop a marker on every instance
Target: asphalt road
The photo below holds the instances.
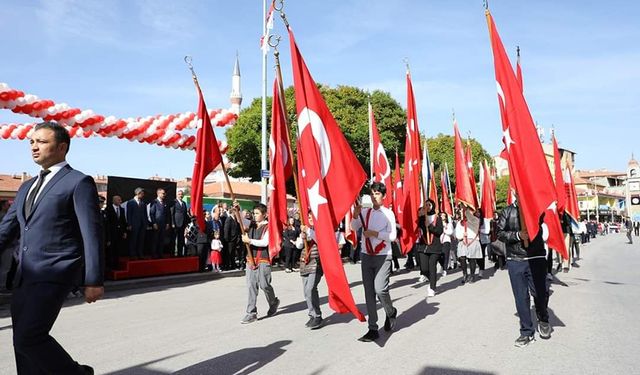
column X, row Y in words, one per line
column 194, row 327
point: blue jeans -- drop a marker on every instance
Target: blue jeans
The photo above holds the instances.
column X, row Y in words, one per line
column 525, row 276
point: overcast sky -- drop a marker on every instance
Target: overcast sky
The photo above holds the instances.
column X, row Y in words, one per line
column 125, row 58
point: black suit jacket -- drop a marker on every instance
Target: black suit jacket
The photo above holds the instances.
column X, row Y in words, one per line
column 116, row 226
column 63, row 234
column 159, row 213
column 179, row 214
column 137, row 215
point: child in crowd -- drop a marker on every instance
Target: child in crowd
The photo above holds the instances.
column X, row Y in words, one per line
column 216, row 249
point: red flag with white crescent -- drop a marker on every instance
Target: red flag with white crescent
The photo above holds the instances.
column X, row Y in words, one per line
column 208, row 157
column 331, row 177
column 280, row 160
column 527, row 162
column 411, row 185
column 381, row 169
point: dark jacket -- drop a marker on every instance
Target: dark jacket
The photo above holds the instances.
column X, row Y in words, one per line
column 231, row 230
column 433, row 230
column 508, row 227
column 159, row 213
column 136, row 215
column 179, row 214
column 116, row 226
column 310, row 263
column 61, row 240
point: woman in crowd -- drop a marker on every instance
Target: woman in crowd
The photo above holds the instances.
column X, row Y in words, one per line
column 289, row 237
column 467, row 231
column 448, row 257
column 430, row 247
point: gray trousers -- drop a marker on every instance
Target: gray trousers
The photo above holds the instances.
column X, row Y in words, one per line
column 310, row 288
column 260, row 277
column 375, row 278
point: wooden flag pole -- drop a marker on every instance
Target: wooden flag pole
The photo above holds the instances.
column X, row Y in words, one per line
column 189, row 60
column 303, row 215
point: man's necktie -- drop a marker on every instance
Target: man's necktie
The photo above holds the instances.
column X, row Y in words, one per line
column 32, row 196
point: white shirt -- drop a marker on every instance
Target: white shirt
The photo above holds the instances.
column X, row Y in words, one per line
column 54, row 169
column 382, row 221
column 447, row 232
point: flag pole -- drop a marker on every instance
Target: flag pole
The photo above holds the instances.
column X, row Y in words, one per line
column 371, row 151
column 189, row 60
column 294, row 169
column 263, row 134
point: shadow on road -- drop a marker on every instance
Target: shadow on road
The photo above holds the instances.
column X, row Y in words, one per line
column 431, row 370
column 408, row 318
column 241, row 362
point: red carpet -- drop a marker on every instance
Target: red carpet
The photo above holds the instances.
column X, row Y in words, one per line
column 130, row 269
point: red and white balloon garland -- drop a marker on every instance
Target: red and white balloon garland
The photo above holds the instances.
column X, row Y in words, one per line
column 163, row 130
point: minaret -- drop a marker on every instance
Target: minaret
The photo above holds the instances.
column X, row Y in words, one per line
column 236, row 95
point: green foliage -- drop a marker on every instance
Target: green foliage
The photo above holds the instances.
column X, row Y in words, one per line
column 441, row 150
column 348, row 106
column 502, row 189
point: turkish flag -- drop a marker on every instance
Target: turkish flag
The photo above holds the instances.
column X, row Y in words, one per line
column 280, row 160
column 331, row 177
column 527, row 162
column 398, row 193
column 208, row 157
column 472, row 174
column 446, row 203
column 411, row 185
column 571, row 205
column 428, row 178
column 487, row 202
column 559, row 178
column 464, row 189
column 380, row 167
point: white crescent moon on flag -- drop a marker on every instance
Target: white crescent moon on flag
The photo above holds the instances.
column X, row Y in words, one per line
column 309, row 117
column 501, row 94
column 380, row 152
column 285, row 152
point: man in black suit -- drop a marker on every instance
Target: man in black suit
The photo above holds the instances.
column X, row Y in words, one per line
column 179, row 220
column 116, row 231
column 136, row 211
column 232, row 235
column 160, row 217
column 57, row 218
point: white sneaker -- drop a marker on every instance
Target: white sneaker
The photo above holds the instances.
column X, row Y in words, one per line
column 430, row 292
column 422, row 279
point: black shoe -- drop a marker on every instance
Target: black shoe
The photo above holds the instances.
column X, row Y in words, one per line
column 317, row 323
column 576, row 265
column 390, row 321
column 87, row 369
column 464, row 279
column 273, row 308
column 544, row 329
column 524, row 341
column 308, row 323
column 371, row 335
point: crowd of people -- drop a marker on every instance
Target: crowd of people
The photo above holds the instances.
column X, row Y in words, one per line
column 58, row 246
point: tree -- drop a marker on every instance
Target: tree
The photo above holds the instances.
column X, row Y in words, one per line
column 502, row 189
column 349, row 107
column 441, row 150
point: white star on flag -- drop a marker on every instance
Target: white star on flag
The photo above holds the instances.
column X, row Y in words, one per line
column 315, row 199
column 508, row 141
